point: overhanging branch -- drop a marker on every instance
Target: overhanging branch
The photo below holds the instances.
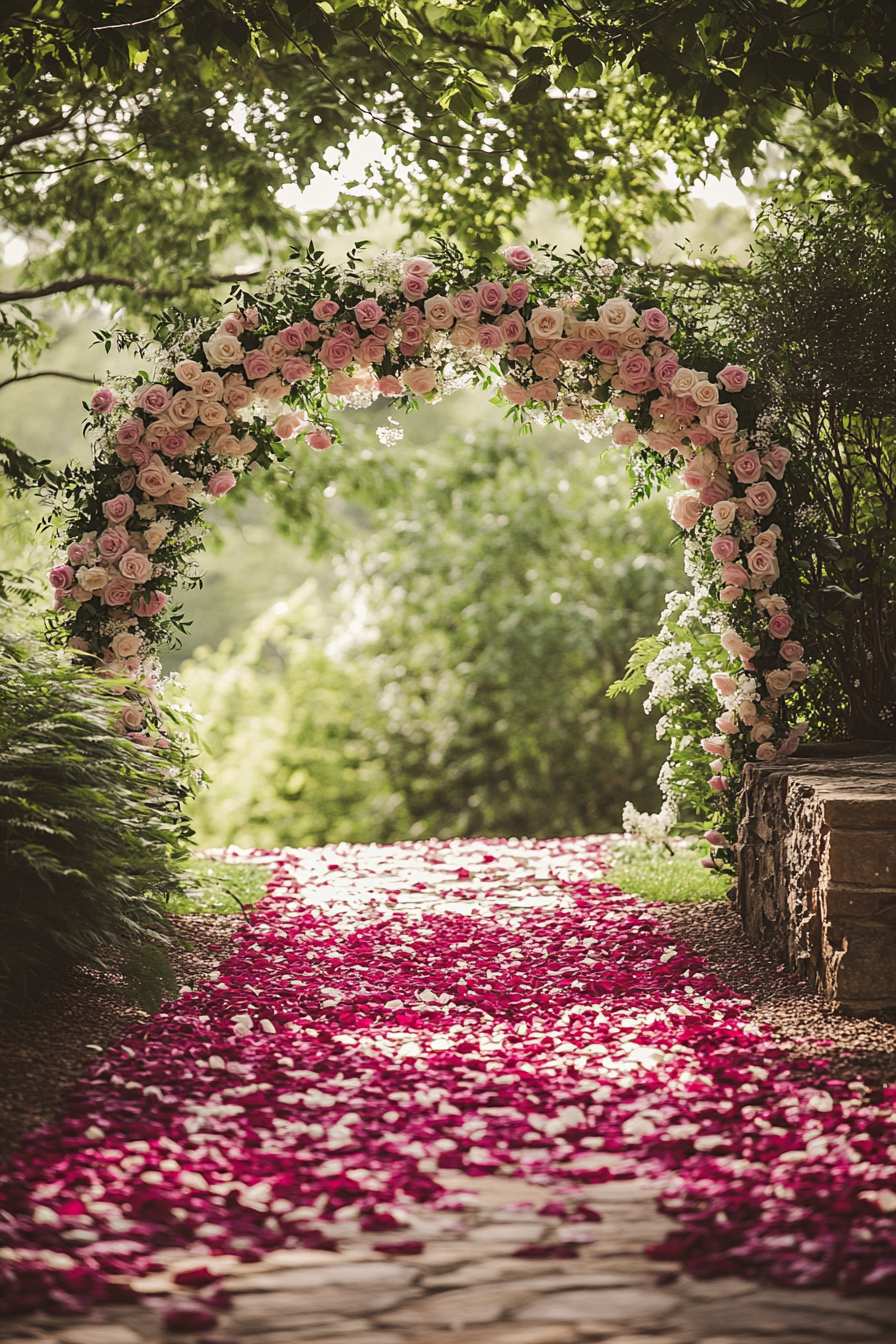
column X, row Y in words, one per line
column 97, row 281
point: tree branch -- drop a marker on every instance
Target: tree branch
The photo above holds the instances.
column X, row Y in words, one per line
column 48, row 373
column 120, row 282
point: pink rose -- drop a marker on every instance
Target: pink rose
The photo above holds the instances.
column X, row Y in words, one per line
column 130, row 433
column 389, row 386
column 118, row 591
column 154, row 399
column 700, row 470
column 133, row 565
column 724, row 683
column 660, row 443
column 715, row 492
column 570, row 349
column 324, row 311
column 775, row 460
column 546, row 324
column 319, row 440
column 515, row 394
column 719, row 420
column 419, row 380
column 61, row 576
column 290, row 424
column 210, row 386
column 237, row 393
column 635, row 368
column 747, row 468
column 733, row 378
column 513, row 327
column 299, row 334
column 103, row 401
column 761, row 497
column 716, row 746
column 665, row 369
column 798, row 671
column 765, row 752
column 545, row 390
column 174, row 444
column 188, row 371
column 112, row 543
column 492, row 296
column 732, row 643
column 337, row 353
column 149, row 605
column 727, row 723
column 655, row 322
column 685, row 509
column 412, row 317
column 517, row 293
column 521, row 353
column 780, row 625
column 154, row 480
column 465, row 305
column 371, row 350
column 119, row 509
column 736, row 574
column 791, row 650
column 718, row 784
column 572, row 412
column 763, row 563
column 410, row 346
column 257, row 365
column 490, row 338
column 414, row 287
column 294, row 370
column 79, row 551
column 182, row 410
column 212, row 413
column 518, row 257
column 624, row 434
column 341, row 385
column 725, row 549
column 439, row 313
column 699, row 436
column 421, row 266
column 220, row 483
column 730, row 592
column 547, row 365
column 715, row 838
column 368, row 313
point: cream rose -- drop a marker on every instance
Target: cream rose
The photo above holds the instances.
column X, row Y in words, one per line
column 126, row 645
column 546, row 324
column 686, row 509
column 154, row 480
column 438, row 312
column 616, row 316
column 92, row 578
column 135, row 566
column 705, row 394
column 223, row 350
column 778, row 681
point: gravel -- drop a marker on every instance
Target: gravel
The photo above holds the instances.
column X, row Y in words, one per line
column 47, row 1044
column 855, row 1048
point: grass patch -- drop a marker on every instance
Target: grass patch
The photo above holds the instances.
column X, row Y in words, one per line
column 213, row 887
column 652, row 872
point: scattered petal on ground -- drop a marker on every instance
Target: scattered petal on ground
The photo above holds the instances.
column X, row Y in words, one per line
column 393, row 1012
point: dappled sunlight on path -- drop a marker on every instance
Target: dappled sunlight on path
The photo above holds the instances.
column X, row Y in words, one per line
column 396, row 1021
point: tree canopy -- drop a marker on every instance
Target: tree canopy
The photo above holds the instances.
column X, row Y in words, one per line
column 143, row 144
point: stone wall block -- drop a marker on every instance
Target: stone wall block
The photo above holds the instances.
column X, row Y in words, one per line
column 817, row 872
column 864, row 857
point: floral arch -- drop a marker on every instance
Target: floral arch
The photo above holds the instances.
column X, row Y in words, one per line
column 555, row 339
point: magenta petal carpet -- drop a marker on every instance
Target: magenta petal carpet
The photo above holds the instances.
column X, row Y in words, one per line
column 390, row 1012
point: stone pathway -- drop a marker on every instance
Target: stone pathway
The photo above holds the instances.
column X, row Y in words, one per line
column 497, row 1262
column 468, row 1286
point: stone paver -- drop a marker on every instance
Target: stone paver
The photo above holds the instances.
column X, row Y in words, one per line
column 460, row 1292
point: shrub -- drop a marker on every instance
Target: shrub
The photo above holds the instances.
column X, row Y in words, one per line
column 90, row 832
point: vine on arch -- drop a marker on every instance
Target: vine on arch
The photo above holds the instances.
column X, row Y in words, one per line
column 555, row 340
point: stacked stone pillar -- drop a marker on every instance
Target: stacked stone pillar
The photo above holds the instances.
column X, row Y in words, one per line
column 817, row 872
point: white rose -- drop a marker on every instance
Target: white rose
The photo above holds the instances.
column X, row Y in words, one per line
column 93, row 578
